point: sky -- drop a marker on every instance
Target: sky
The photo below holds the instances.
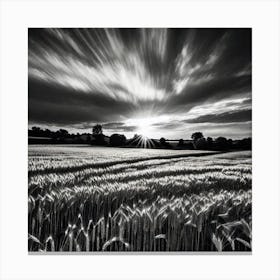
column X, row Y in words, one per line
column 154, row 82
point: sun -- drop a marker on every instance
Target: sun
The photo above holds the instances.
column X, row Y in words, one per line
column 143, row 131
column 147, row 125
column 143, row 128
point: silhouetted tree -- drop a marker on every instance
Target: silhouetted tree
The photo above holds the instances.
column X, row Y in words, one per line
column 98, row 139
column 63, row 133
column 189, row 145
column 181, row 143
column 209, row 142
column 196, row 136
column 230, row 143
column 201, row 144
column 162, row 141
column 97, row 129
column 117, row 140
column 35, row 128
column 221, row 143
column 48, row 133
column 245, row 144
column 36, row 132
column 154, row 143
column 97, row 133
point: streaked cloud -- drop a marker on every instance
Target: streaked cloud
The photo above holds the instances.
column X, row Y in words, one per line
column 226, row 117
column 78, row 77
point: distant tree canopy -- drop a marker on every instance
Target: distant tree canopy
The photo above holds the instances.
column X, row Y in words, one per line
column 245, row 143
column 63, row 132
column 98, row 136
column 37, row 135
column 35, row 128
column 197, row 135
column 38, row 132
column 97, row 129
column 201, row 144
column 181, row 143
column 199, row 141
column 117, row 140
column 162, row 141
column 209, row 142
column 221, row 143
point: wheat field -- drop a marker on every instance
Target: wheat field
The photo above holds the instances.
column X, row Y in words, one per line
column 84, row 198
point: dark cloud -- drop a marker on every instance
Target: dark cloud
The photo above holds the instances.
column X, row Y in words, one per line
column 227, row 117
column 119, row 126
column 113, row 125
column 49, row 93
column 210, row 91
column 237, row 52
column 168, row 125
column 231, row 47
column 203, row 42
column 60, row 105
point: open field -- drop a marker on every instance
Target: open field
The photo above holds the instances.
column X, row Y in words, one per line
column 84, row 198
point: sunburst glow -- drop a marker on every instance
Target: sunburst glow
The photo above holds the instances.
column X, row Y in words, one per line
column 144, row 127
column 147, row 126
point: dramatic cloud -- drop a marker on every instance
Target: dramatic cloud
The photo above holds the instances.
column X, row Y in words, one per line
column 120, row 126
column 124, row 78
column 227, row 117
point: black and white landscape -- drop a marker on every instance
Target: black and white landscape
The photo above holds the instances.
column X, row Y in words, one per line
column 139, row 139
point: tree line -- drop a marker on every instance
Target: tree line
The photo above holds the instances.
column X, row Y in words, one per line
column 37, row 135
column 198, row 140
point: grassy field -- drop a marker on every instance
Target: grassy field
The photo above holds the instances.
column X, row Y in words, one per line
column 84, row 198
